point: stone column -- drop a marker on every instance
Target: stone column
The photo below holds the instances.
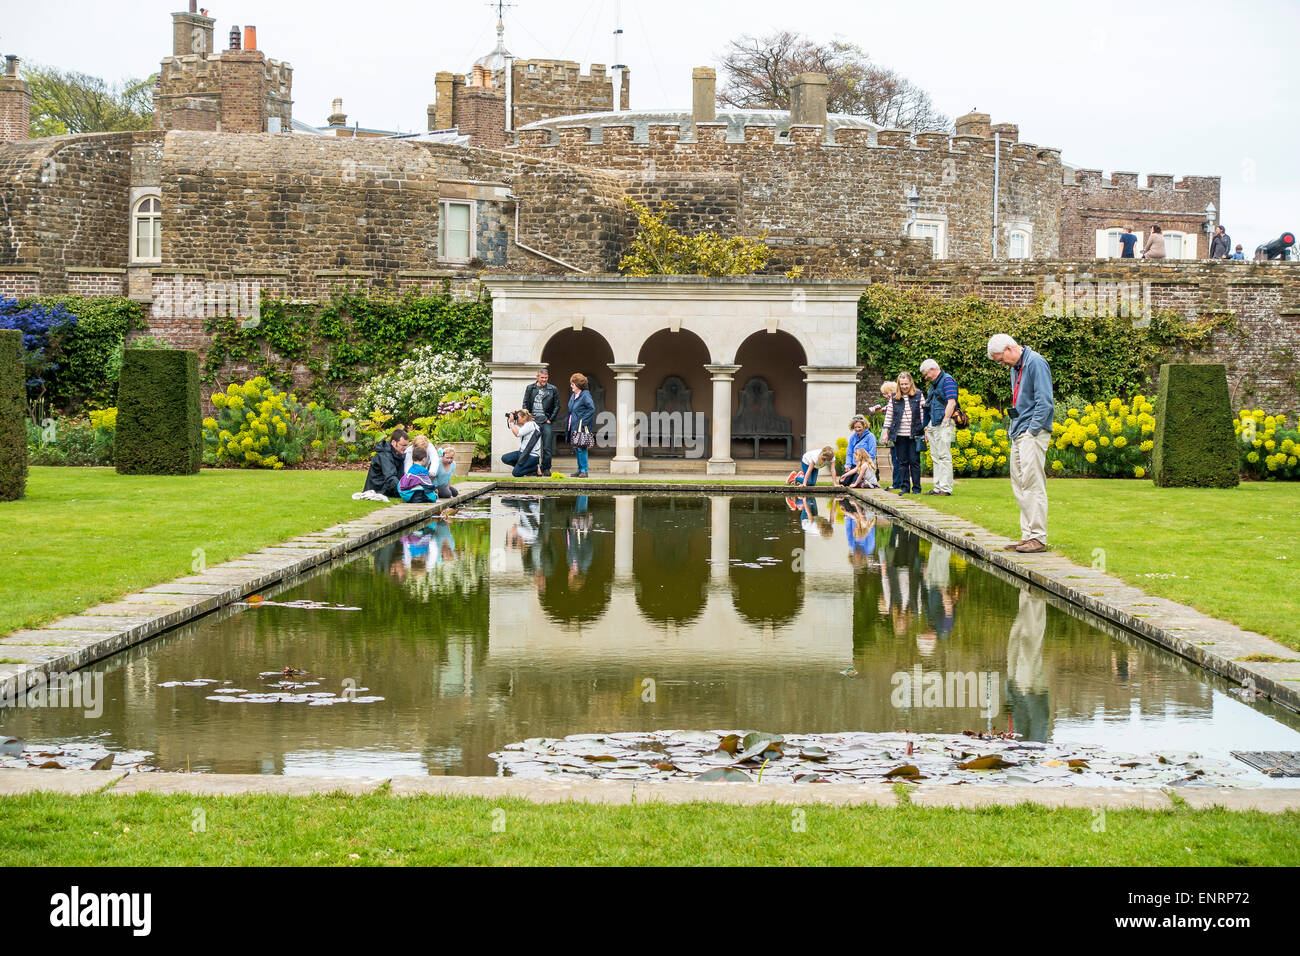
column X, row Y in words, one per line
column 719, row 538
column 721, row 462
column 509, row 379
column 832, row 393
column 624, row 524
column 625, row 461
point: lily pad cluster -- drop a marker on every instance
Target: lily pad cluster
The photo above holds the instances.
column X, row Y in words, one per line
column 285, row 689
column 935, row 759
column 17, row 753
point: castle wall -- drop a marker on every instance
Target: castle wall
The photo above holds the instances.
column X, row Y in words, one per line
column 235, row 91
column 856, row 186
column 1092, row 202
column 547, row 88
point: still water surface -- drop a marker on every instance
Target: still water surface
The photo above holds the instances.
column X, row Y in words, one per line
column 526, row 616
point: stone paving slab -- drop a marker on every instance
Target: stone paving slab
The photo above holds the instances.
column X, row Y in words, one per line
column 236, row 784
column 1267, row 801
column 56, row 781
column 112, row 626
column 627, row 791
column 1214, row 644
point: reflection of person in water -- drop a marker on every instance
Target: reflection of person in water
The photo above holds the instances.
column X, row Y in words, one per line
column 809, row 519
column 578, row 545
column 860, row 530
column 940, row 595
column 1026, row 683
column 529, row 535
column 900, row 577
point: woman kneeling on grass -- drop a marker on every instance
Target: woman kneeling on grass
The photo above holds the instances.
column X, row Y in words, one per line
column 863, row 472
column 806, row 473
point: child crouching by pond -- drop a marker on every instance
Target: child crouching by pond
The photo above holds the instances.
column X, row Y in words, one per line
column 862, row 474
column 806, row 473
column 417, row 483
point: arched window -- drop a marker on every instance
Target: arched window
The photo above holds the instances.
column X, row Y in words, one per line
column 1018, row 244
column 146, row 230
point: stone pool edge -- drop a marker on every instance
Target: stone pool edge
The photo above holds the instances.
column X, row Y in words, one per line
column 14, row 782
column 1204, row 640
column 76, row 641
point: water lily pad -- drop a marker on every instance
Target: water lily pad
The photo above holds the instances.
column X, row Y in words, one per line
column 724, row 774
column 729, row 744
column 987, row 762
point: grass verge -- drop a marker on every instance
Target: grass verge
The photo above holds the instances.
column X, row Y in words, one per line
column 379, row 830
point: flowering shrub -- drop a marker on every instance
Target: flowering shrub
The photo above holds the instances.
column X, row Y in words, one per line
column 465, row 416
column 73, row 441
column 418, row 384
column 44, row 328
column 258, row 426
column 1106, row 439
column 1269, row 449
column 983, row 450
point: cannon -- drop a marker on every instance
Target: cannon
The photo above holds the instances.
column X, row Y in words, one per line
column 1278, row 248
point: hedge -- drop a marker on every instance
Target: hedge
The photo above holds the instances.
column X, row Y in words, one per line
column 13, row 416
column 159, row 422
column 1195, row 445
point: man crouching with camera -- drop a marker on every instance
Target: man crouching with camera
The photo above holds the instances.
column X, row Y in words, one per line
column 527, row 460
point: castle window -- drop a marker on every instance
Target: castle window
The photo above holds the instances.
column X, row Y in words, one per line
column 1108, row 243
column 1018, row 244
column 146, row 230
column 1180, row 245
column 936, row 230
column 456, row 233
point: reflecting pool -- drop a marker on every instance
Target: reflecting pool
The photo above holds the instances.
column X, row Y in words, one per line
column 544, row 616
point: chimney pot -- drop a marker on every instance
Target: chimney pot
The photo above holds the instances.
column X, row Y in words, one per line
column 11, row 65
column 234, row 38
column 250, row 38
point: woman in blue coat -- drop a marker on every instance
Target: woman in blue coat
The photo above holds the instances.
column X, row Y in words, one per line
column 581, row 425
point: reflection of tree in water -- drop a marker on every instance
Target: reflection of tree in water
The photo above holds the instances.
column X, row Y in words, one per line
column 670, row 558
column 573, row 569
column 773, row 593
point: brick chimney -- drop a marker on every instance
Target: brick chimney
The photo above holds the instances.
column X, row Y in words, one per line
column 337, row 117
column 704, row 81
column 191, row 33
column 442, row 115
column 1009, row 132
column 975, row 124
column 808, row 99
column 15, row 104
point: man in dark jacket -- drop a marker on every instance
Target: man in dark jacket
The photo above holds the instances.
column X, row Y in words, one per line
column 542, row 399
column 387, row 464
column 1221, row 244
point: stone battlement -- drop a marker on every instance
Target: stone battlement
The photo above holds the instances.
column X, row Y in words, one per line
column 708, row 135
column 1157, row 182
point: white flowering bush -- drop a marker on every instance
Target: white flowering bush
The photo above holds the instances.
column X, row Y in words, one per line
column 415, row 388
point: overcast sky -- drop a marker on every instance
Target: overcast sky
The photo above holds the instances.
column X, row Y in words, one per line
column 1202, row 88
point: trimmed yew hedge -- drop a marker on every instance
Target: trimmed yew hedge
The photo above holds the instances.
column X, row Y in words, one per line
column 13, row 414
column 1195, row 446
column 159, row 421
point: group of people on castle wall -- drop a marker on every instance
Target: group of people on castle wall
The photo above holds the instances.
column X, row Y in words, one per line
column 1154, row 247
column 913, row 420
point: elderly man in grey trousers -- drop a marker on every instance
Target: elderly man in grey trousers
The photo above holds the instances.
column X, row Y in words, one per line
column 1030, row 432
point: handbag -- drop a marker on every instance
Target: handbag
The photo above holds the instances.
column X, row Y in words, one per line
column 582, row 438
column 960, row 418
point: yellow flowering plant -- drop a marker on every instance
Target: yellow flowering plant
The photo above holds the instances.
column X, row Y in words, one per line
column 1106, row 439
column 258, row 426
column 1269, row 445
column 983, row 450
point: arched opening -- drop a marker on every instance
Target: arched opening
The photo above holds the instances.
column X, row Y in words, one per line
column 585, row 351
column 670, row 558
column 769, row 396
column 675, row 392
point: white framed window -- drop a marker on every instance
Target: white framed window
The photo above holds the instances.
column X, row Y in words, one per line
column 456, row 231
column 936, row 230
column 1108, row 246
column 1018, row 244
column 146, row 229
column 1180, row 245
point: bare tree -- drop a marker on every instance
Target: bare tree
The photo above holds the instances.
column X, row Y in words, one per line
column 67, row 102
column 757, row 72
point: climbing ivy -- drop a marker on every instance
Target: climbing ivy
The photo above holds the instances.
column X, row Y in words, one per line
column 346, row 339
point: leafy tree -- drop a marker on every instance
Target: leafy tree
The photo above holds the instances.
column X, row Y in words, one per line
column 64, row 101
column 658, row 249
column 757, row 72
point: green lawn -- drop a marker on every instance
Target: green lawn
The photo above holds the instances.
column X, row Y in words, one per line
column 87, row 535
column 380, row 830
column 1233, row 553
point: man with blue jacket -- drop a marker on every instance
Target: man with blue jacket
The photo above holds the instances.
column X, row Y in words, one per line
column 1030, row 432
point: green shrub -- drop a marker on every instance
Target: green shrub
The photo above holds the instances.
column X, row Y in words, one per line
column 1108, row 439
column 159, row 428
column 1195, row 443
column 13, row 415
column 258, row 426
